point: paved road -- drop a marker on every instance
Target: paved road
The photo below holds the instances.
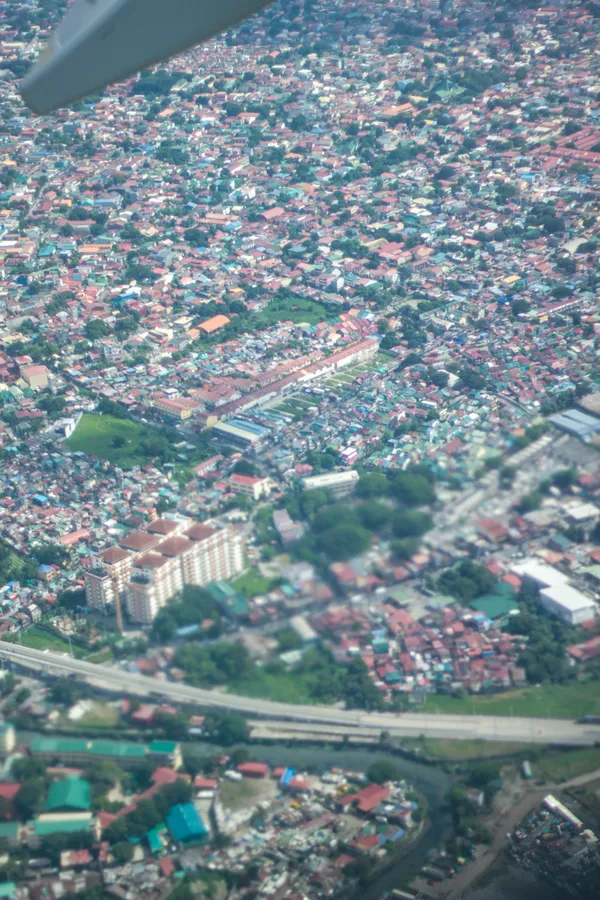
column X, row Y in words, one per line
column 487, row 728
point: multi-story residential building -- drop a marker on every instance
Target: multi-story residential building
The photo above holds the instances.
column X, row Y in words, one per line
column 201, row 555
column 151, row 566
column 108, row 578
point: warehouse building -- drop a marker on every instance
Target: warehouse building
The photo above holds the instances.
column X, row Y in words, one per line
column 185, row 825
column 543, row 575
column 568, row 604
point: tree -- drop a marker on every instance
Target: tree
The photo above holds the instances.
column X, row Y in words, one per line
column 374, row 515
column 383, row 770
column 344, row 541
column 330, row 516
column 95, row 329
column 359, row 692
column 287, row 640
column 123, row 852
column 25, row 768
column 372, row 485
column 50, row 554
column 411, row 523
column 412, row 488
column 530, row 502
column 226, row 729
column 244, row 467
column 405, row 548
column 30, row 799
column 466, row 581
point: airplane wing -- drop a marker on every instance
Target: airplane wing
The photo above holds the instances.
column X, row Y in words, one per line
column 102, row 41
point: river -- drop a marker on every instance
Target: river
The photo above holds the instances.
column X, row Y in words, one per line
column 431, row 781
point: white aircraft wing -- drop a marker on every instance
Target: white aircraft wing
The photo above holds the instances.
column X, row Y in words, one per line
column 102, row 41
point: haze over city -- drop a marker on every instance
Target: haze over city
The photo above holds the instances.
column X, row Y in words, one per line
column 299, row 460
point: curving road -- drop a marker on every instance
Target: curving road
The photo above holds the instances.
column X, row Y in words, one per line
column 324, row 718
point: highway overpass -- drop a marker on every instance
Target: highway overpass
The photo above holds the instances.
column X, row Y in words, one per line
column 327, row 719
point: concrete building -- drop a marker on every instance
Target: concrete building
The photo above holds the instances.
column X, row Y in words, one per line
column 180, row 408
column 199, row 556
column 568, row 604
column 543, row 575
column 338, row 483
column 109, row 576
column 250, row 486
column 35, row 376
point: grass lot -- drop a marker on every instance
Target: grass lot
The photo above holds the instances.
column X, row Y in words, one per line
column 252, row 583
column 242, row 794
column 95, row 435
column 101, row 656
column 570, row 764
column 37, row 639
column 456, row 751
column 284, row 687
column 561, row 701
column 100, row 715
column 292, row 310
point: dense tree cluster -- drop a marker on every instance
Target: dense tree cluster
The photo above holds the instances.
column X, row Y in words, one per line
column 194, row 606
column 466, row 581
column 544, row 656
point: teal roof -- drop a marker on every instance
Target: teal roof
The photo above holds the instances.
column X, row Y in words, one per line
column 69, row 794
column 59, row 745
column 185, row 824
column 8, row 889
column 163, row 747
column 62, row 826
column 121, row 749
column 154, row 841
column 9, row 830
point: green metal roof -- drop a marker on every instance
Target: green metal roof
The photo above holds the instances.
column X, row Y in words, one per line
column 64, row 826
column 59, row 745
column 9, row 830
column 69, row 794
column 121, row 749
column 163, row 747
column 8, row 889
column 154, row 841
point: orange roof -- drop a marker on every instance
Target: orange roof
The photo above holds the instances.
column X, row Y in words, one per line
column 212, row 324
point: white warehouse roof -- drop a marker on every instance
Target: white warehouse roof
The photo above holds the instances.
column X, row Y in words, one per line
column 540, row 572
column 568, row 597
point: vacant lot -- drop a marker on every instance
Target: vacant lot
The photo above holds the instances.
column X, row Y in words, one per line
column 292, row 310
column 37, row 639
column 457, row 751
column 122, row 441
column 570, row 764
column 560, row 701
column 252, row 584
column 248, row 792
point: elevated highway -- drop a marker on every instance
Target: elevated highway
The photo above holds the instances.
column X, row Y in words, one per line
column 323, row 719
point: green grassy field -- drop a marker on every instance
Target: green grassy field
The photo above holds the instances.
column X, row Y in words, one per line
column 37, row 639
column 559, row 766
column 251, row 584
column 100, row 715
column 456, row 751
column 561, row 701
column 101, row 435
column 292, row 310
column 285, row 688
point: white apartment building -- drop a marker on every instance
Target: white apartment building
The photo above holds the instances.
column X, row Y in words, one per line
column 111, row 574
column 198, row 556
column 339, row 483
